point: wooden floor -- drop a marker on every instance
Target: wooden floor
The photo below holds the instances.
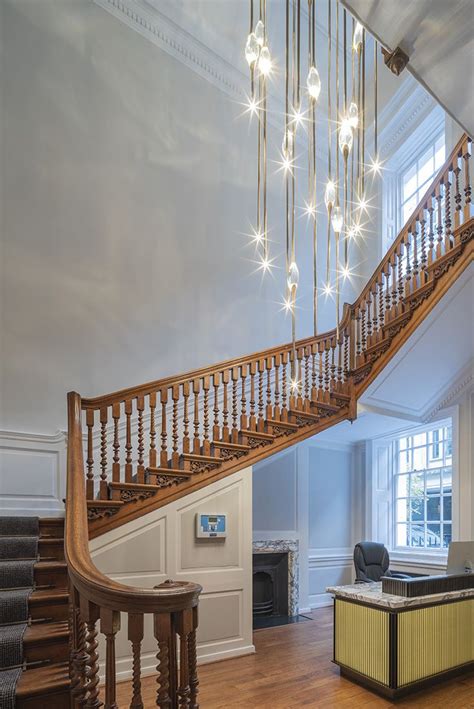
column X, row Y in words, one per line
column 292, row 668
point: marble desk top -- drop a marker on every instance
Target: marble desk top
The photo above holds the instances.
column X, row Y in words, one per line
column 371, row 593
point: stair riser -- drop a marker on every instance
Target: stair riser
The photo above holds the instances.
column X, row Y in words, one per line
column 52, row 528
column 55, row 611
column 53, row 650
column 58, row 700
column 51, row 551
column 56, row 578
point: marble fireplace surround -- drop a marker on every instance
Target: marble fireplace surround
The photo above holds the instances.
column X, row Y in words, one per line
column 289, row 546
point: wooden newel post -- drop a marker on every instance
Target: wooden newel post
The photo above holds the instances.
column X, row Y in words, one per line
column 110, row 625
column 192, row 658
column 163, row 630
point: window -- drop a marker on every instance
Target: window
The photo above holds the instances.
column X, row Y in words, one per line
column 422, row 487
column 415, row 179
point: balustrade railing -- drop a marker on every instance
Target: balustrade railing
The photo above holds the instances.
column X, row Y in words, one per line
column 159, row 434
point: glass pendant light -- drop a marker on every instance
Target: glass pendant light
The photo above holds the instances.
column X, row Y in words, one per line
column 330, row 195
column 252, row 49
column 293, row 277
column 260, row 32
column 313, row 82
column 336, row 219
column 357, row 40
column 265, row 61
column 345, row 137
column 353, row 115
column 287, row 145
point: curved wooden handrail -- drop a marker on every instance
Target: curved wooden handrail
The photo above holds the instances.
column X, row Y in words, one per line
column 121, row 395
column 86, row 577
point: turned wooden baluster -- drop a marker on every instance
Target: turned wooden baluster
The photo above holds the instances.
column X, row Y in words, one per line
column 152, row 446
column 416, row 264
column 175, row 452
column 393, row 292
column 184, row 626
column 439, row 221
column 400, row 304
column 103, row 487
column 225, row 408
column 193, row 676
column 141, row 441
column 90, row 613
column 110, row 625
column 431, row 253
column 332, row 344
column 235, row 408
column 135, row 636
column 90, row 455
column 284, row 387
column 363, row 333
column 339, row 362
column 261, row 417
column 216, row 380
column 276, row 408
column 269, row 407
column 467, row 181
column 358, row 334
column 163, row 630
column 196, row 439
column 369, row 318
column 373, row 292
column 128, row 441
column 321, row 370
column 243, row 398
column 206, row 444
column 299, row 390
column 307, row 355
column 186, row 440
column 406, row 242
column 116, row 443
column 252, row 419
column 164, row 431
column 424, row 258
column 382, row 290
column 314, row 373
column 447, row 212
column 346, row 353
column 457, row 192
column 79, row 654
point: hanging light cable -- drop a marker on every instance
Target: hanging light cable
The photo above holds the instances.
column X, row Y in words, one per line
column 330, row 192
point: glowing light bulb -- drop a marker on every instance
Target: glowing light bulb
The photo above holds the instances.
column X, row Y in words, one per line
column 345, row 137
column 265, row 61
column 288, row 304
column 310, row 210
column 294, row 385
column 257, row 237
column 362, row 204
column 336, row 219
column 252, row 107
column 357, row 41
column 330, row 195
column 252, row 49
column 293, row 276
column 313, row 82
column 327, row 289
column 345, row 272
column 351, row 234
column 265, row 265
column 353, row 115
column 297, row 116
column 376, row 166
column 260, row 32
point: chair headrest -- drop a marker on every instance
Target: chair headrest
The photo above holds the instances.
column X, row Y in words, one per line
column 372, row 552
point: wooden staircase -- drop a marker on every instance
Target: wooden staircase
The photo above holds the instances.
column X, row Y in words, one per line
column 149, row 445
column 45, row 681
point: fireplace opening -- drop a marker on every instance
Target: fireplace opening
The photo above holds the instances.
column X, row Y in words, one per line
column 270, row 585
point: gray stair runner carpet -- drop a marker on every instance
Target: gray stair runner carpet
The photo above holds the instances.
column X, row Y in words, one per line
column 18, row 555
column 18, row 547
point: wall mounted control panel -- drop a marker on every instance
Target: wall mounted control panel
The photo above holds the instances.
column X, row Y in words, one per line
column 210, row 526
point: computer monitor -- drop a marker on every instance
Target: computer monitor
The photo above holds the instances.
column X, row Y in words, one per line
column 461, row 558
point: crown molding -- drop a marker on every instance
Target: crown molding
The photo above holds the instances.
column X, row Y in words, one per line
column 461, row 384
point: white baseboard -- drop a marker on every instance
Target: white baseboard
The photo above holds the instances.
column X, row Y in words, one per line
column 320, row 600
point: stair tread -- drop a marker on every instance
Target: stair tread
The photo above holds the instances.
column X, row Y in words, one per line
column 46, row 595
column 104, row 503
column 39, row 633
column 305, row 414
column 133, row 486
column 198, row 456
column 172, row 472
column 257, row 434
column 40, row 680
column 226, row 444
column 283, row 424
column 325, row 405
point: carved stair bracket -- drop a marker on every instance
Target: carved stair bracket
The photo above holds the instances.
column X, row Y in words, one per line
column 167, row 481
column 281, row 431
column 361, row 372
column 301, row 421
column 198, row 466
column 134, row 495
column 231, row 453
column 256, row 442
column 101, row 512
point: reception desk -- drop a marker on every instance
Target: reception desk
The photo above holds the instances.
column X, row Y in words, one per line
column 394, row 644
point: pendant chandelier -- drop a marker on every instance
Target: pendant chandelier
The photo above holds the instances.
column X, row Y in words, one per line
column 344, row 180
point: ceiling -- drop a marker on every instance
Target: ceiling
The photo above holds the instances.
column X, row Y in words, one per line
column 438, row 37
column 436, row 362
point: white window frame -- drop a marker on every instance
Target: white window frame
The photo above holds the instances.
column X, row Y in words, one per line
column 406, row 154
column 413, row 162
column 379, row 502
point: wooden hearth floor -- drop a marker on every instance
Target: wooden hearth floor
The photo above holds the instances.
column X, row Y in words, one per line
column 292, row 668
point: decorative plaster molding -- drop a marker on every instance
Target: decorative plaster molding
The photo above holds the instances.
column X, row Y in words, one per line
column 462, row 384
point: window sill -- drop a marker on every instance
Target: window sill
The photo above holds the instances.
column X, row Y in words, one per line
column 417, row 558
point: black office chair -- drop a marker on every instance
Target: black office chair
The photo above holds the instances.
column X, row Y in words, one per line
column 371, row 562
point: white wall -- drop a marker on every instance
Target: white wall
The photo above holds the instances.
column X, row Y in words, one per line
column 162, row 545
column 313, row 493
